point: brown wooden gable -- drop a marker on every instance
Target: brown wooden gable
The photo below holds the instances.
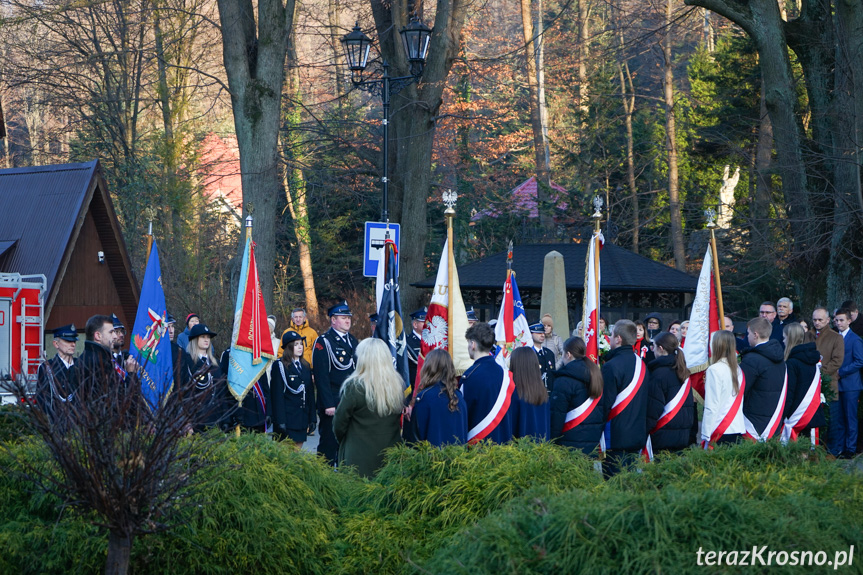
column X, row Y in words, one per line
column 65, row 217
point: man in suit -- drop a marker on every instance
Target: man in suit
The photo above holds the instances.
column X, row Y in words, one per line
column 332, row 362
column 856, row 318
column 56, row 377
column 843, row 413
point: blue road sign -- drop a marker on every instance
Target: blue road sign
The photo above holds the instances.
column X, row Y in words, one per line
column 376, row 233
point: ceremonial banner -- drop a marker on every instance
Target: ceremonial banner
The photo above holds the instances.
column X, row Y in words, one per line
column 512, row 329
column 590, row 318
column 703, row 321
column 251, row 345
column 390, row 327
column 149, row 346
column 444, row 327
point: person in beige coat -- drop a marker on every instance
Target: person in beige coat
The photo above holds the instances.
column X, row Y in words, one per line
column 830, row 345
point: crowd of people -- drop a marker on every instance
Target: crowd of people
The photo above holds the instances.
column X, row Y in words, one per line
column 640, row 399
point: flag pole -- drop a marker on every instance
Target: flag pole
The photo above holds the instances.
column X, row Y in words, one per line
column 449, row 214
column 597, row 221
column 249, row 221
column 711, row 225
column 150, row 240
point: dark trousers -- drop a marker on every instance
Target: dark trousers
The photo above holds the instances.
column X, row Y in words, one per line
column 843, row 424
column 328, row 446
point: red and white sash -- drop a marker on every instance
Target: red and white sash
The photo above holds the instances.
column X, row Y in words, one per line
column 498, row 410
column 575, row 416
column 801, row 417
column 775, row 419
column 672, row 408
column 733, row 410
column 623, row 399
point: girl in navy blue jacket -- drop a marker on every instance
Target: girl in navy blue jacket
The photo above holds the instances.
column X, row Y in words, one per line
column 578, row 409
column 439, row 413
column 530, row 408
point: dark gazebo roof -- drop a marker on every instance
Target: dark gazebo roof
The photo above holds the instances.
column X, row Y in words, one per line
column 621, row 270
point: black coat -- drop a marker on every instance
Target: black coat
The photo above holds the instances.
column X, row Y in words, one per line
column 571, row 389
column 801, row 364
column 681, row 431
column 216, row 409
column 292, row 400
column 182, row 363
column 628, row 431
column 95, row 362
column 55, row 384
column 252, row 412
column 764, row 369
column 414, row 348
column 332, row 363
column 546, row 365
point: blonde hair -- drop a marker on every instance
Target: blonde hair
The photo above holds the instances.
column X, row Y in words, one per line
column 794, row 336
column 375, row 374
column 195, row 351
column 724, row 347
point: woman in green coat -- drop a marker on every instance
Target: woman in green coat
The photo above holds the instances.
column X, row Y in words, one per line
column 367, row 417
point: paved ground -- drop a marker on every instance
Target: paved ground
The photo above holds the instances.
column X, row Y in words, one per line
column 311, row 443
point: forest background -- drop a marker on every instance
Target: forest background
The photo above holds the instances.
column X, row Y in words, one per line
column 644, row 103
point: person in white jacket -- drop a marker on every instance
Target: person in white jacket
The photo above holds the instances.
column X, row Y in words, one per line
column 722, row 421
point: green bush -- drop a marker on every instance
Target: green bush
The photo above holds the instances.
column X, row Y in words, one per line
column 617, row 532
column 519, row 508
column 425, row 494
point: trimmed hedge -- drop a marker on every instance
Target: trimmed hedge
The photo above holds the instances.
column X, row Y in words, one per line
column 519, row 508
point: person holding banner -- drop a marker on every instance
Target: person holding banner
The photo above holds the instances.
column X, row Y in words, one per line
column 578, row 410
column 722, row 421
column 672, row 421
column 624, row 377
column 530, row 408
column 803, row 414
column 208, row 377
column 439, row 413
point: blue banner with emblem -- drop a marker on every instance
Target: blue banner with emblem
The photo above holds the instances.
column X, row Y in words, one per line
column 391, row 326
column 150, row 345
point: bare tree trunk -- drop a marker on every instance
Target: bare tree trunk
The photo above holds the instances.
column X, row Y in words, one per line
column 539, row 145
column 119, row 553
column 671, row 147
column 709, row 36
column 295, row 183
column 761, row 19
column 255, row 64
column 628, row 110
column 540, row 83
column 763, row 157
column 412, row 127
column 583, row 56
column 335, row 23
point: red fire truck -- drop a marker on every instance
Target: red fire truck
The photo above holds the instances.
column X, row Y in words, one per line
column 22, row 315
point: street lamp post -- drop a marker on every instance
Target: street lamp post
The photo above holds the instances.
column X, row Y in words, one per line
column 415, row 39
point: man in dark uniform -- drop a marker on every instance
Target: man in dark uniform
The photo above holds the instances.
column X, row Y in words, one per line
column 56, row 377
column 543, row 354
column 414, row 339
column 374, row 318
column 119, row 341
column 332, row 362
